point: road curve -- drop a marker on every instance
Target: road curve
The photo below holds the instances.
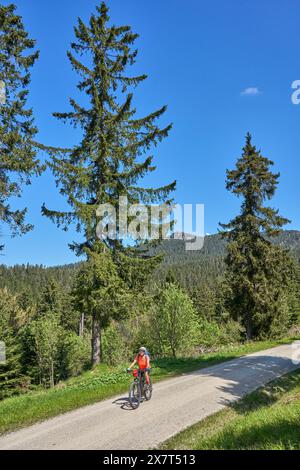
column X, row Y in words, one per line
column 177, row 403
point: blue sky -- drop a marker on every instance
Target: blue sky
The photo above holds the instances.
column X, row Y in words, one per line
column 200, row 57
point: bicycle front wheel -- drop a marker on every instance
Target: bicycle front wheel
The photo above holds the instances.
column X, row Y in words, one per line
column 148, row 390
column 135, row 395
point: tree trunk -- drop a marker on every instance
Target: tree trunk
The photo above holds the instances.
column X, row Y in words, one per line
column 81, row 325
column 52, row 375
column 248, row 329
column 96, row 343
column 101, row 345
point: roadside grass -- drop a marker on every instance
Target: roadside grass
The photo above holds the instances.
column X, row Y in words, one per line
column 266, row 419
column 105, row 382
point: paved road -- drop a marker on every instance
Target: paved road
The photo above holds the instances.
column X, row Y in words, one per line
column 177, row 403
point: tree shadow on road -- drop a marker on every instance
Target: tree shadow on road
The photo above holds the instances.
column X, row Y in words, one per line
column 249, row 373
column 244, row 375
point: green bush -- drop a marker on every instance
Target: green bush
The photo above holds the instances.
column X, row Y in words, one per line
column 142, row 335
column 174, row 324
column 76, row 354
column 230, row 332
column 212, row 334
column 209, row 332
column 46, row 334
column 115, row 345
column 103, row 378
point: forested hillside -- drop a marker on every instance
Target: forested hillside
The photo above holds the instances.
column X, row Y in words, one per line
column 191, row 268
column 31, row 278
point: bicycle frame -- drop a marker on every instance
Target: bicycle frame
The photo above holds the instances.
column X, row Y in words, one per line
column 139, row 376
column 139, row 381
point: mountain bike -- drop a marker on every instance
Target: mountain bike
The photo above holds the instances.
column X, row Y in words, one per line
column 139, row 388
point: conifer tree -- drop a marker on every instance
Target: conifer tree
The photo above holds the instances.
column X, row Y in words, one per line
column 101, row 293
column 51, row 297
column 11, row 320
column 113, row 154
column 56, row 299
column 258, row 272
column 18, row 160
column 107, row 163
column 204, row 300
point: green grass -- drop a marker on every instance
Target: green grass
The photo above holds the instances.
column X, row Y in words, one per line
column 105, row 382
column 267, row 419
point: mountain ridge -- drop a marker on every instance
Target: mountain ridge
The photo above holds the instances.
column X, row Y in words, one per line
column 191, row 268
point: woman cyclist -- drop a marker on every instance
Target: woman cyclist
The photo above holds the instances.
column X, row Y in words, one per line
column 142, row 359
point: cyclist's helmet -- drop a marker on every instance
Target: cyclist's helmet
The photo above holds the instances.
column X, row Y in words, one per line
column 143, row 349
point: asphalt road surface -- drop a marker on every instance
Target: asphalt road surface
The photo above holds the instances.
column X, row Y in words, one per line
column 176, row 403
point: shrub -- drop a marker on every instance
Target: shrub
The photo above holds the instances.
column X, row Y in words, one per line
column 214, row 334
column 114, row 344
column 174, row 323
column 76, row 354
column 46, row 334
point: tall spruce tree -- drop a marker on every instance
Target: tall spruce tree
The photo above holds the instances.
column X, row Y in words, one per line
column 108, row 162
column 101, row 293
column 18, row 160
column 258, row 273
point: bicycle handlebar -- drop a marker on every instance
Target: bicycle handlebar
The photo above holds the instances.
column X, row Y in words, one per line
column 148, row 369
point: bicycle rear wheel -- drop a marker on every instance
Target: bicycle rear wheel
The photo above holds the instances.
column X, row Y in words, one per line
column 135, row 395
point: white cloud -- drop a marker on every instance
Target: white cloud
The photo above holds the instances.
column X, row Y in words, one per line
column 251, row 91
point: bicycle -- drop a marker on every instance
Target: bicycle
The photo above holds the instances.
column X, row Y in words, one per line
column 139, row 387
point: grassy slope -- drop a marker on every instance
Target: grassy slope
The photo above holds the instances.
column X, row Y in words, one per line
column 265, row 419
column 104, row 382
